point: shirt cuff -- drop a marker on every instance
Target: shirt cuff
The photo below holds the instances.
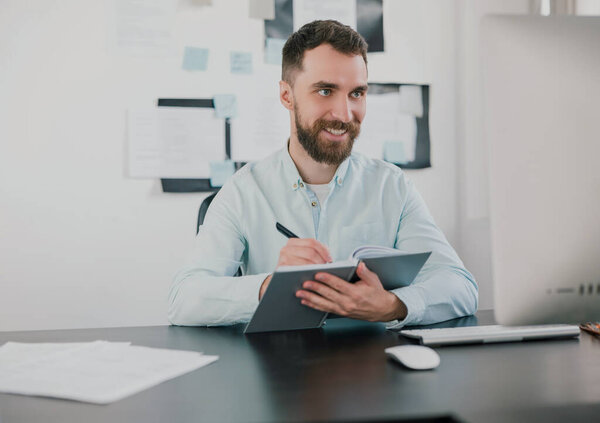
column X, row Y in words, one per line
column 250, row 289
column 415, row 306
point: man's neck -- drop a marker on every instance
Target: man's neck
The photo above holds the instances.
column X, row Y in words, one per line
column 310, row 171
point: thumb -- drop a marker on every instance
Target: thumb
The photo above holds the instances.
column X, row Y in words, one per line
column 366, row 275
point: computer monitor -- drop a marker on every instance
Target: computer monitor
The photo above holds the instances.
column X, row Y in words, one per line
column 541, row 97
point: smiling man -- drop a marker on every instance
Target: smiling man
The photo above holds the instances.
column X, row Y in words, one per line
column 333, row 199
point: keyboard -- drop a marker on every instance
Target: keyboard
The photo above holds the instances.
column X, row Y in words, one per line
column 489, row 334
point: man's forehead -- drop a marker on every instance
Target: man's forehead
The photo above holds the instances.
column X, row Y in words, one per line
column 324, row 63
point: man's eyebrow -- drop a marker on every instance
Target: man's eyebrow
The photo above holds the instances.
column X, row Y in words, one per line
column 330, row 85
column 324, row 84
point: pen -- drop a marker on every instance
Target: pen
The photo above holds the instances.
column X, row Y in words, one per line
column 285, row 231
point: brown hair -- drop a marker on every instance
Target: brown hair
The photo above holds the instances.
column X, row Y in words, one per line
column 341, row 37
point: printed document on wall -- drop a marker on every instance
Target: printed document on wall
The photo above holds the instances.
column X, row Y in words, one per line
column 385, row 123
column 174, row 142
column 306, row 11
column 142, row 27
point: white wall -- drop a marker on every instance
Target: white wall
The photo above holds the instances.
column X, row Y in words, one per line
column 81, row 245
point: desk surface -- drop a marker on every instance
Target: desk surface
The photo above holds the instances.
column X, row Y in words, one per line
column 337, row 373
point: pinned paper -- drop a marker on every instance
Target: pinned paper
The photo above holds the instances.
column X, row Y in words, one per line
column 393, row 152
column 241, row 62
column 220, row 172
column 262, row 9
column 225, row 105
column 411, row 100
column 305, row 11
column 195, row 59
column 273, row 51
column 142, row 28
column 174, row 142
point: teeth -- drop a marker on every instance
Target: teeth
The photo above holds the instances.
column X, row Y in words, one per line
column 335, row 131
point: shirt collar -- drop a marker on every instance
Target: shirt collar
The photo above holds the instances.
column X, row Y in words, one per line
column 293, row 177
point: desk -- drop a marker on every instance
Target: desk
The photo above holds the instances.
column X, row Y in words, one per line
column 337, row 373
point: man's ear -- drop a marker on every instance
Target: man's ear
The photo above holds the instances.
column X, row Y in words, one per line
column 286, row 96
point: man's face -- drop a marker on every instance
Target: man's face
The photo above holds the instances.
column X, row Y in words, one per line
column 329, row 103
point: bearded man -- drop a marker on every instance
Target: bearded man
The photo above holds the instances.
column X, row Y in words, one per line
column 335, row 200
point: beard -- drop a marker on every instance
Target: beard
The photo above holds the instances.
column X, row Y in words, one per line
column 323, row 150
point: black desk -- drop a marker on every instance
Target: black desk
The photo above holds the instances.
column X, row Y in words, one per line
column 339, row 373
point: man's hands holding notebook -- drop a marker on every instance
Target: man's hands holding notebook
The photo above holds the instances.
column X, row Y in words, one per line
column 365, row 299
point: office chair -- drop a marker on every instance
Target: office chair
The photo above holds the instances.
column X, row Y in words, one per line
column 203, row 209
column 202, row 213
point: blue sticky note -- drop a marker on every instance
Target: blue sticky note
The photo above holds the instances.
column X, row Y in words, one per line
column 225, row 105
column 195, row 59
column 273, row 51
column 220, row 172
column 393, row 152
column 241, row 62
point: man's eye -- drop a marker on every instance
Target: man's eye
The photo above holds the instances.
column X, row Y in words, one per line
column 325, row 92
column 357, row 94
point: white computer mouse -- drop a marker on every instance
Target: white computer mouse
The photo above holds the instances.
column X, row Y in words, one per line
column 416, row 357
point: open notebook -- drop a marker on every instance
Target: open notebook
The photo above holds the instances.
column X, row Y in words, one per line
column 280, row 309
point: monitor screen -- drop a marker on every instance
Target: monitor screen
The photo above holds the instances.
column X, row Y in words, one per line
column 541, row 87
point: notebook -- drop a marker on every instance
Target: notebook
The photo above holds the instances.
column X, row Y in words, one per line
column 280, row 309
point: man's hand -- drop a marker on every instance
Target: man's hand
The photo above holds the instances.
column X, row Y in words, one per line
column 299, row 251
column 365, row 300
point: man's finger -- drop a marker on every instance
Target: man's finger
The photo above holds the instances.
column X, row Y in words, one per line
column 317, row 302
column 366, row 275
column 333, row 281
column 311, row 243
column 306, row 253
column 324, row 291
column 293, row 261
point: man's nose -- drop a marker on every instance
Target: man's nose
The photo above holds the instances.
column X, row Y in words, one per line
column 342, row 110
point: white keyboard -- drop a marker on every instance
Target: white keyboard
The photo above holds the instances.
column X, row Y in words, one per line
column 488, row 334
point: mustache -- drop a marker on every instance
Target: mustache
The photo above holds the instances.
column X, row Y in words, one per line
column 352, row 126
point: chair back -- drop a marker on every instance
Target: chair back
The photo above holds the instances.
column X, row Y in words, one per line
column 203, row 209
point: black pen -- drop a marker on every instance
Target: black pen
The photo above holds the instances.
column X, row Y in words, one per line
column 285, row 231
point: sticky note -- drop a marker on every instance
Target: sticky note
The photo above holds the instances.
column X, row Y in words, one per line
column 241, row 62
column 195, row 59
column 411, row 101
column 220, row 172
column 273, row 51
column 262, row 9
column 393, row 152
column 225, row 105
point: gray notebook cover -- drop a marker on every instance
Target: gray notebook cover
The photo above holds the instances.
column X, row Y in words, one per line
column 280, row 309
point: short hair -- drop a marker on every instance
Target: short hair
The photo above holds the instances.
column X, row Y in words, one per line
column 341, row 37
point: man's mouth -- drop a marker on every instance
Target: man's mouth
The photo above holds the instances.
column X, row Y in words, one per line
column 336, row 131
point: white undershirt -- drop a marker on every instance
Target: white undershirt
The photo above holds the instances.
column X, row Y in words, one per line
column 321, row 191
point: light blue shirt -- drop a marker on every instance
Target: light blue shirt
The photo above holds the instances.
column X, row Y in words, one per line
column 369, row 202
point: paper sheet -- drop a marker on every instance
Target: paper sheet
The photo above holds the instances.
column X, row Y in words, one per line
column 240, row 62
column 273, row 51
column 225, row 105
column 99, row 372
column 262, row 9
column 263, row 129
column 195, row 59
column 12, row 353
column 385, row 123
column 143, row 27
column 174, row 142
column 411, row 100
column 306, row 11
column 220, row 172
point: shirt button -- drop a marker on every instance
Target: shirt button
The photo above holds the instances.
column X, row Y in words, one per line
column 314, row 204
column 339, row 181
column 295, row 186
column 301, row 185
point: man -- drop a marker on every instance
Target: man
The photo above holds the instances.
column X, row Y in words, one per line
column 334, row 200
